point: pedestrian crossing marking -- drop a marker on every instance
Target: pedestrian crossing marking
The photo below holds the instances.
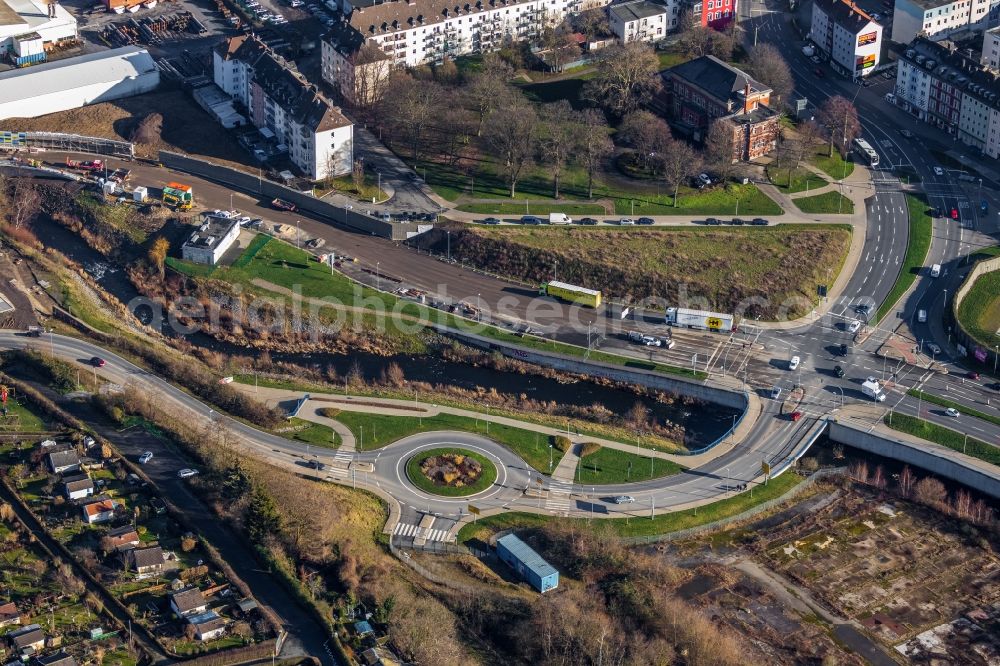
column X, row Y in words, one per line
column 413, row 531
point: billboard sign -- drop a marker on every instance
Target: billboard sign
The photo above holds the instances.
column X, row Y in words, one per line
column 870, row 38
column 864, row 62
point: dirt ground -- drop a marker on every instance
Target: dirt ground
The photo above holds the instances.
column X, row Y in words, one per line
column 186, row 127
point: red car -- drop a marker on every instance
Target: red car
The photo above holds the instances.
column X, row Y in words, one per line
column 972, row 374
column 954, row 213
column 281, row 204
column 796, row 416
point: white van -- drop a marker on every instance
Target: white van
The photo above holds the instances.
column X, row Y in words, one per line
column 560, row 218
column 922, row 316
column 936, row 270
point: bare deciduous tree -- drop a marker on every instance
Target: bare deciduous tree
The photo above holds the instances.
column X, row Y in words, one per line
column 626, row 78
column 513, row 133
column 559, row 138
column 930, row 491
column 769, row 67
column 719, row 149
column 488, row 87
column 680, row 161
column 839, row 119
column 595, row 144
column 648, row 134
column 411, row 108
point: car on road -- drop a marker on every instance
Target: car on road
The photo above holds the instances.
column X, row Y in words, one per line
column 933, row 348
column 145, row 457
column 187, row 473
column 952, row 412
column 317, row 465
column 645, row 220
column 839, row 371
column 954, row 213
column 737, row 221
column 98, row 362
column 843, row 349
column 775, row 392
column 863, row 308
column 530, row 219
column 994, row 386
column 651, row 341
column 794, row 363
column 491, row 220
column 588, row 221
column 938, row 171
column 972, row 374
column 795, row 416
column 759, row 222
column 907, row 134
column 713, row 221
column 625, row 221
column 934, row 212
column 854, row 326
column 624, row 499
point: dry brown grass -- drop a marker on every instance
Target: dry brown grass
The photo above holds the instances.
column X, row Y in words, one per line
column 186, row 127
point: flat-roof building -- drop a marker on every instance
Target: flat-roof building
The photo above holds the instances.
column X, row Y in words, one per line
column 75, row 82
column 641, row 20
column 50, row 24
column 847, row 34
column 936, row 19
column 211, row 240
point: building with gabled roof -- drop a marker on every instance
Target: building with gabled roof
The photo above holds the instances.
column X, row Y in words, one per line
column 146, row 562
column 642, row 20
column 60, row 658
column 318, row 137
column 78, row 486
column 101, row 510
column 9, row 615
column 187, row 602
column 123, row 538
column 64, row 461
column 27, row 640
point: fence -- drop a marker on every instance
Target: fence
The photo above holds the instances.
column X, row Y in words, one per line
column 974, row 349
column 256, row 184
column 73, row 143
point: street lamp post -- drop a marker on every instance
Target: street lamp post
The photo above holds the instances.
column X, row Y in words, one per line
column 378, row 276
column 727, row 482
column 448, row 236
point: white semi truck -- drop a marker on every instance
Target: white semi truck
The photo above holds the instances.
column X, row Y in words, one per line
column 873, row 390
column 700, row 319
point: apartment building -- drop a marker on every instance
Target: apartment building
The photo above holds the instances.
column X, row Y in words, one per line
column 356, row 68
column 951, row 91
column 848, row 35
column 715, row 14
column 700, row 91
column 936, row 18
column 319, row 139
column 991, row 49
column 642, row 20
column 416, row 32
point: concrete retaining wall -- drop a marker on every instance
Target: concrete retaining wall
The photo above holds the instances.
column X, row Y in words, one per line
column 574, row 364
column 941, row 461
column 267, row 189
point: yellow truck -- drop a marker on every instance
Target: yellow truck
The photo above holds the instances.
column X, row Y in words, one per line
column 177, row 194
column 590, row 298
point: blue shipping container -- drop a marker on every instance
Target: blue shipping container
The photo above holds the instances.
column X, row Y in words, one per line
column 528, row 564
column 23, row 61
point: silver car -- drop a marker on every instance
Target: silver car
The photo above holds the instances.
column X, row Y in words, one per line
column 624, row 499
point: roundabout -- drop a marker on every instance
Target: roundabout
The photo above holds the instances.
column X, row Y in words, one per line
column 451, row 471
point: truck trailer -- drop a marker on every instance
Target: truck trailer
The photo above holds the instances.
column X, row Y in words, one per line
column 572, row 293
column 85, row 165
column 700, row 319
column 873, row 390
column 177, row 194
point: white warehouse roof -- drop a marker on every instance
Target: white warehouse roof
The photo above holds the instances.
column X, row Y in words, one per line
column 86, row 79
column 20, row 16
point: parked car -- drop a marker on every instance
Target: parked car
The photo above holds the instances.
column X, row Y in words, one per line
column 625, row 221
column 952, row 412
column 759, row 222
column 795, row 416
column 713, row 221
column 938, row 171
column 794, row 363
column 645, row 220
column 704, row 179
column 839, row 371
column 775, row 392
column 590, row 221
column 98, row 362
column 491, row 220
column 624, row 499
column 736, row 221
column 145, row 457
column 530, row 219
column 187, row 473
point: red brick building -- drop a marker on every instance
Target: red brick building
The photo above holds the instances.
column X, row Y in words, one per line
column 699, row 91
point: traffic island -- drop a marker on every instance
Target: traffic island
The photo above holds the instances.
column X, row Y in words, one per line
column 451, row 472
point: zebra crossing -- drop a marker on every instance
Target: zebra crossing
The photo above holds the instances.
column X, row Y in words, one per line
column 343, row 455
column 558, row 499
column 413, row 531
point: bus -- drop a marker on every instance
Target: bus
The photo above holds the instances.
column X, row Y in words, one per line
column 865, row 150
column 572, row 293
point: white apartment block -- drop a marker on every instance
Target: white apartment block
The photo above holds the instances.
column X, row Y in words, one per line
column 991, row 49
column 952, row 92
column 319, row 139
column 641, row 20
column 358, row 70
column 848, row 35
column 936, row 18
column 415, row 32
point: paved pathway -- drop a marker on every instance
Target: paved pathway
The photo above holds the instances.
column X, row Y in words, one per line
column 566, row 469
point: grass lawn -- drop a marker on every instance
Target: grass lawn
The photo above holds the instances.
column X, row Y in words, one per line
column 944, row 436
column 373, row 431
column 782, row 262
column 944, row 402
column 834, row 166
column 369, row 188
column 316, row 434
column 532, row 209
column 979, row 311
column 21, row 419
column 800, row 179
column 487, row 476
column 826, row 203
column 616, row 466
column 918, row 242
column 729, row 200
column 641, row 527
